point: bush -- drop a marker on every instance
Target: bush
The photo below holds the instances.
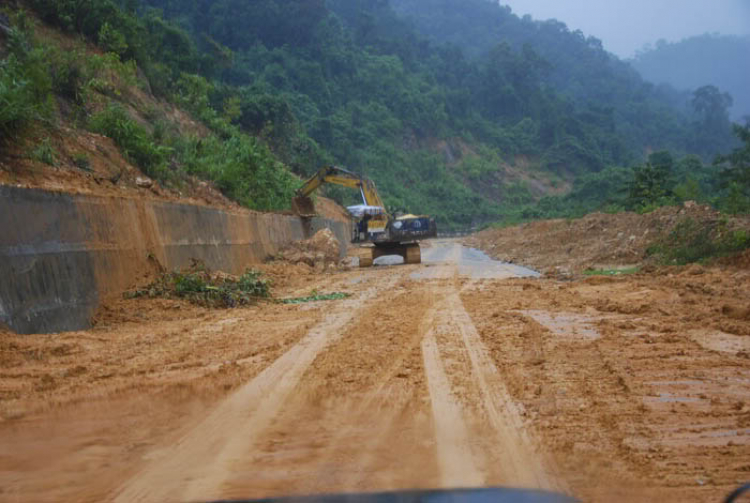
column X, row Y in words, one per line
column 134, row 141
column 25, row 85
column 691, row 241
column 200, row 286
column 243, row 169
column 45, row 152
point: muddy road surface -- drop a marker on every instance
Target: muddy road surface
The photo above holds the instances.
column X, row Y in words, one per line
column 459, row 372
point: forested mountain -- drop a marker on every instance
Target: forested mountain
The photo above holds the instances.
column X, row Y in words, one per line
column 469, row 133
column 719, row 60
column 374, row 93
column 645, row 114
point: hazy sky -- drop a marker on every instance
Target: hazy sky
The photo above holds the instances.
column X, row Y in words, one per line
column 624, row 26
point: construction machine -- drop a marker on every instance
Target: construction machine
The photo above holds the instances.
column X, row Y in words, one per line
column 385, row 234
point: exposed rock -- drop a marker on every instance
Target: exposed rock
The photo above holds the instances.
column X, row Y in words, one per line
column 143, row 182
column 319, row 251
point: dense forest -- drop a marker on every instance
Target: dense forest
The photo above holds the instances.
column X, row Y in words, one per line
column 473, row 125
column 719, row 60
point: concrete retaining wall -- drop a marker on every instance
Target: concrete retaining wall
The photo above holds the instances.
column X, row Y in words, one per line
column 61, row 254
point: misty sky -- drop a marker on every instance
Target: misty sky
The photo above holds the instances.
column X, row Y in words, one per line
column 624, row 26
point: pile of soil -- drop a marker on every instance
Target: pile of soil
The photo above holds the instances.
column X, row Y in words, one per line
column 596, row 241
column 320, row 252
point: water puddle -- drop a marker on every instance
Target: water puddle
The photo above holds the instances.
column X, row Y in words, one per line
column 478, row 265
column 472, row 263
column 568, row 325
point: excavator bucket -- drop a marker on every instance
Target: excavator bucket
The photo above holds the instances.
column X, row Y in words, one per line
column 303, row 206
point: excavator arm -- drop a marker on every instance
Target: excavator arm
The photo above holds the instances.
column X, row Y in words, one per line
column 303, row 205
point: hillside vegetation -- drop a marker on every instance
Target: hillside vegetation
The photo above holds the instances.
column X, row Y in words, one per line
column 471, row 134
column 718, row 60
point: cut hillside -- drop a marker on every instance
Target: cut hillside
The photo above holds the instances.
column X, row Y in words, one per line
column 96, row 118
column 608, row 242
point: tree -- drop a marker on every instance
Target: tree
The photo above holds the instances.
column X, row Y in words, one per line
column 712, row 105
column 710, row 132
column 736, row 177
column 652, row 183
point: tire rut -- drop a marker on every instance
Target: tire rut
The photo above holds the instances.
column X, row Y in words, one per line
column 198, row 464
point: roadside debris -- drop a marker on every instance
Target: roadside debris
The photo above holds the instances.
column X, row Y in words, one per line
column 201, row 286
column 321, row 251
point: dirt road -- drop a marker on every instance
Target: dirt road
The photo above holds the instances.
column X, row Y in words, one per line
column 457, row 372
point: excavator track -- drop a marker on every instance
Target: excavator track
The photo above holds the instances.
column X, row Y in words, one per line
column 412, row 255
column 410, row 252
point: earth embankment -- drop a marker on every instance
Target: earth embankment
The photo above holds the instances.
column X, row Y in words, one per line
column 62, row 254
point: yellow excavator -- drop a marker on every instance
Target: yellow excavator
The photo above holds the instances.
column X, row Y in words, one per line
column 372, row 224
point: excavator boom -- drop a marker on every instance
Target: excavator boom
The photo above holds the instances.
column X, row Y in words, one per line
column 343, row 177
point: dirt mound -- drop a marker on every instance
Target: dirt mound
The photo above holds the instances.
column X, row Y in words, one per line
column 596, row 241
column 321, row 251
column 328, row 208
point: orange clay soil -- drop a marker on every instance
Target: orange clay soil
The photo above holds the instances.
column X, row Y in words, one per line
column 444, row 374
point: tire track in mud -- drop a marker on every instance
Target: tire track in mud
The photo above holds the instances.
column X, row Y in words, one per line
column 197, row 465
column 405, row 397
column 360, row 419
column 522, row 466
column 454, row 450
column 502, row 451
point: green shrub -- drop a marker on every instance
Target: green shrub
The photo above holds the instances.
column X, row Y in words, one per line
column 45, row 152
column 111, row 40
column 82, row 161
column 25, row 84
column 242, row 168
column 691, row 241
column 133, row 139
column 200, row 286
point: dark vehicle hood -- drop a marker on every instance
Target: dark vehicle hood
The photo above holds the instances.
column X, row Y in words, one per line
column 484, row 495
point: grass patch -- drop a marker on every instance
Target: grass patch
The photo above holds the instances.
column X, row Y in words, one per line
column 610, row 272
column 200, row 286
column 82, row 161
column 45, row 152
column 315, row 296
column 691, row 241
column 133, row 139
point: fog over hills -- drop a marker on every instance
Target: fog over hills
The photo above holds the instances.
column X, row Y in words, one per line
column 626, row 26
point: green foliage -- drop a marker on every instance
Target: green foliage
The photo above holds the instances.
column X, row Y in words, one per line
column 133, row 139
column 45, row 152
column 736, row 200
column 315, row 296
column 82, row 161
column 652, row 183
column 25, row 84
column 101, row 21
column 712, row 130
column 112, row 40
column 200, row 286
column 350, row 83
column 243, row 169
column 354, row 85
column 692, row 241
column 689, row 190
column 611, row 272
column 736, row 174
